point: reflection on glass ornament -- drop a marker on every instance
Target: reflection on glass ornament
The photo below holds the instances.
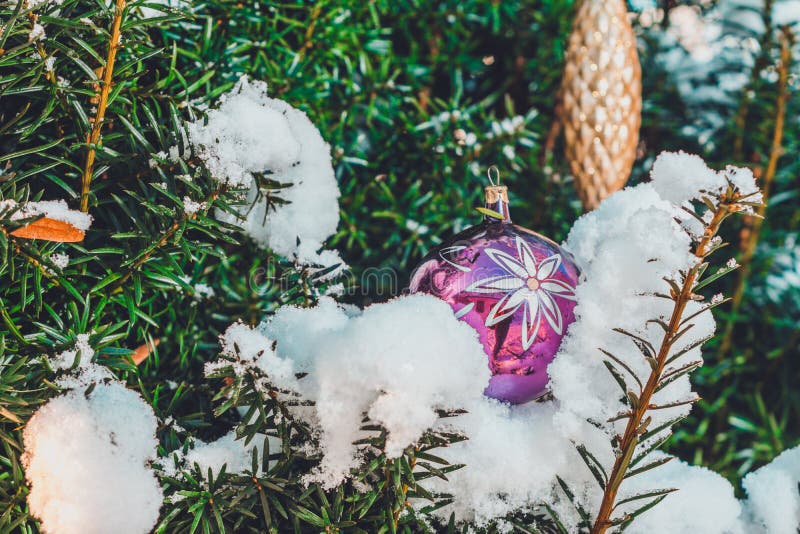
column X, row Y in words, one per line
column 516, row 288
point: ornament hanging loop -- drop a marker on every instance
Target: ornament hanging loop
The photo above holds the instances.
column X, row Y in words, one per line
column 495, row 198
column 493, row 173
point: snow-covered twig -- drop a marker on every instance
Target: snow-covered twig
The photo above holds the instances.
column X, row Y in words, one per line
column 637, row 427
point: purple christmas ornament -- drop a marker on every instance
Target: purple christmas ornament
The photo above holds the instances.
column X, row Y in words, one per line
column 515, row 287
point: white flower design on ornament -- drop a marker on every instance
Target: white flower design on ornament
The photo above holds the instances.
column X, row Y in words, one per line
column 526, row 283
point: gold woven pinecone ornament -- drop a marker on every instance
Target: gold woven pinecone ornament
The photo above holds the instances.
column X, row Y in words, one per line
column 602, row 99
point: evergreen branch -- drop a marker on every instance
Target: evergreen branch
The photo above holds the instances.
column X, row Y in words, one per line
column 165, row 237
column 93, row 139
column 51, row 76
column 642, row 404
column 412, row 462
column 776, row 151
column 554, row 131
column 35, row 262
column 27, row 256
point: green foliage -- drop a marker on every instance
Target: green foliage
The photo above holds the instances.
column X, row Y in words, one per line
column 396, row 87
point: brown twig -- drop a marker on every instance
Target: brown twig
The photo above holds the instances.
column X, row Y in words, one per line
column 634, row 427
column 93, row 138
column 555, row 129
column 308, row 43
column 776, row 151
column 740, row 119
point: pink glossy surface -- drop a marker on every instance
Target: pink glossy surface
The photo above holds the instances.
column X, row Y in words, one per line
column 492, row 275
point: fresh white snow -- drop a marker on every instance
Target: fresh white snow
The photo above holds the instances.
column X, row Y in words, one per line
column 54, row 209
column 250, row 133
column 86, row 459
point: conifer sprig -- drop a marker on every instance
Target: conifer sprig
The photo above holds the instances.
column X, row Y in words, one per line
column 637, row 429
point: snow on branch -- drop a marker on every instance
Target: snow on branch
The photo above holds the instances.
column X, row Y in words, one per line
column 279, row 159
column 390, row 365
column 399, row 363
column 637, row 251
column 88, row 453
column 397, row 379
column 87, row 461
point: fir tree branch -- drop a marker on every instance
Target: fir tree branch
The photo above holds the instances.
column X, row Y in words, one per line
column 165, row 237
column 554, row 131
column 93, row 139
column 776, row 151
column 639, row 409
column 27, row 256
column 401, row 502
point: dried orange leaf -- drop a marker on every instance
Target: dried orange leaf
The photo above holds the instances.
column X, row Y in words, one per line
column 50, row 230
column 143, row 351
